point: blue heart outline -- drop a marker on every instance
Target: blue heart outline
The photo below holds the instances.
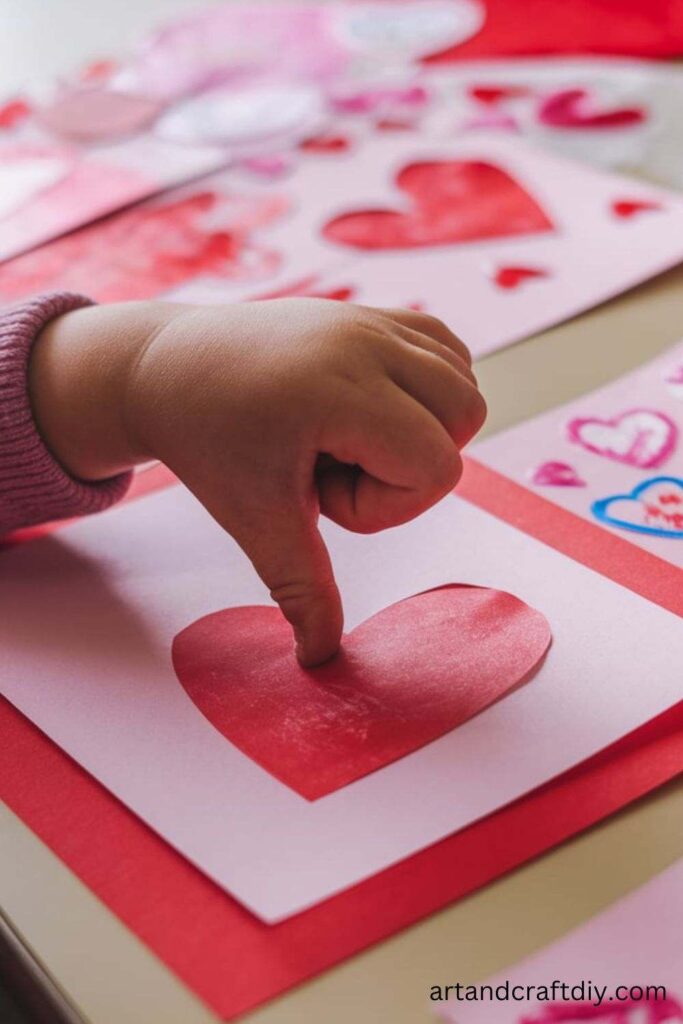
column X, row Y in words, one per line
column 600, row 508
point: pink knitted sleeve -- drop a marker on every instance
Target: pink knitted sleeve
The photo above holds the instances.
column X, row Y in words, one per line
column 33, row 486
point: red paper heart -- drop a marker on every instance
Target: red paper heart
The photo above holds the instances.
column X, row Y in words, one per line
column 512, row 277
column 453, row 201
column 630, row 207
column 403, row 678
column 571, row 108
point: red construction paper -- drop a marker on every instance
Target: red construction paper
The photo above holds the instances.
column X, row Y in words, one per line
column 639, row 28
column 406, row 676
column 453, row 201
column 197, row 930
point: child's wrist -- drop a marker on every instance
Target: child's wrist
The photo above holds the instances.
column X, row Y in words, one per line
column 80, row 371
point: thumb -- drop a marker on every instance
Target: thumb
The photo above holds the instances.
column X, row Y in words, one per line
column 291, row 558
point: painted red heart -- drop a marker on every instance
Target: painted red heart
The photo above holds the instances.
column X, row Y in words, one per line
column 404, row 677
column 453, row 201
column 630, row 207
column 572, row 108
column 511, row 277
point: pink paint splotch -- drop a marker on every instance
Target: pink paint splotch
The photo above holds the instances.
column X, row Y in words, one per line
column 150, row 249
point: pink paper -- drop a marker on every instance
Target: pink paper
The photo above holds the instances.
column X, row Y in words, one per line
column 507, row 243
column 624, row 442
column 131, row 579
column 95, row 181
column 606, row 965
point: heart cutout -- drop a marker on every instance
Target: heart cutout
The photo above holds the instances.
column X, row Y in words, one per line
column 556, row 474
column 643, row 438
column 572, row 108
column 655, row 507
column 512, row 277
column 452, row 201
column 404, row 677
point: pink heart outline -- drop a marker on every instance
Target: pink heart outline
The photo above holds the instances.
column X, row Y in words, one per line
column 637, row 453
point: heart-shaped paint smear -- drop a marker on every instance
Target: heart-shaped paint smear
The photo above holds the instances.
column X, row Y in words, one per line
column 404, row 677
column 556, row 474
column 512, row 277
column 452, row 201
column 574, row 108
column 643, row 438
column 655, row 508
column 627, row 208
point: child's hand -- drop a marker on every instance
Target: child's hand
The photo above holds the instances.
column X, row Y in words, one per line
column 270, row 412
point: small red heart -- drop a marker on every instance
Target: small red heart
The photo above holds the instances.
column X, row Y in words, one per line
column 453, row 201
column 403, row 678
column 630, row 207
column 571, row 108
column 13, row 112
column 492, row 95
column 512, row 277
column 325, row 144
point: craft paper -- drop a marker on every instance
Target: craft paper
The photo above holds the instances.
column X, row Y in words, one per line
column 648, row 28
column 167, row 564
column 497, row 240
column 404, row 677
column 96, row 181
column 617, row 114
column 633, row 944
column 149, row 886
column 199, row 232
column 623, row 444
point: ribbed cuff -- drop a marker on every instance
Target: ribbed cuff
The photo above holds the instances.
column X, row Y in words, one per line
column 33, row 486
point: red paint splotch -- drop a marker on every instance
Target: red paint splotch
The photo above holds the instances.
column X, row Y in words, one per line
column 147, row 250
